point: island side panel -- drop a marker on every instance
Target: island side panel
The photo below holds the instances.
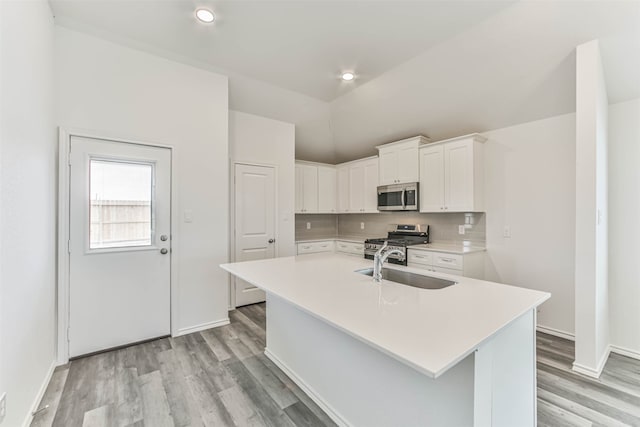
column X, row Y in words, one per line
column 357, row 384
column 505, row 376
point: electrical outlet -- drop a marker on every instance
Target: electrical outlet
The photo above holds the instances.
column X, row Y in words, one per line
column 461, row 229
column 362, row 226
column 506, row 232
column 3, row 406
column 308, row 226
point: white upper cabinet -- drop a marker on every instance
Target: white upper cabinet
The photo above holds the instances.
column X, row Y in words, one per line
column 357, row 186
column 327, row 197
column 451, row 175
column 370, row 198
column 343, row 188
column 399, row 161
column 431, row 178
column 306, row 188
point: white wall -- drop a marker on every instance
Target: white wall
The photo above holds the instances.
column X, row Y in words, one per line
column 592, row 304
column 256, row 139
column 530, row 186
column 28, row 205
column 102, row 86
column 624, row 227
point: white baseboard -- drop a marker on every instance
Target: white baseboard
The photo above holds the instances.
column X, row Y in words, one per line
column 328, row 409
column 556, row 332
column 43, row 387
column 591, row 372
column 202, row 327
column 625, row 352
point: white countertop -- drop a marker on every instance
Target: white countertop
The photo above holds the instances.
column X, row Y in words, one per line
column 450, row 248
column 353, row 239
column 429, row 330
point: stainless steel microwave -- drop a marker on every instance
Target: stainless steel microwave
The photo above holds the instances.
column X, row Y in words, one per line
column 398, row 197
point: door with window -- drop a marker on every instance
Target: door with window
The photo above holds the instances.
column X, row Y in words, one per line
column 255, row 203
column 120, row 244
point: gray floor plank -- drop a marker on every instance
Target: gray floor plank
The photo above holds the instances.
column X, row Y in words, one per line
column 51, row 397
column 553, row 416
column 128, row 404
column 212, row 410
column 240, row 408
column 263, row 403
column 155, row 405
column 301, row 415
column 99, row 417
column 277, row 390
column 221, row 377
column 183, row 408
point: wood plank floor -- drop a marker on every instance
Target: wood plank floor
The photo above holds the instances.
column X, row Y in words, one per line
column 220, row 377
column 566, row 398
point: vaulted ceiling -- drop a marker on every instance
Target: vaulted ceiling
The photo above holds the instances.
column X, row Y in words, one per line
column 440, row 68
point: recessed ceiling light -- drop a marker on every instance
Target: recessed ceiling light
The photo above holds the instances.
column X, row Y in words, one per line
column 205, row 15
column 348, row 76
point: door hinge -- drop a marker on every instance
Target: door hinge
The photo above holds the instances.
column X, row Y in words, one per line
column 68, row 334
column 69, row 246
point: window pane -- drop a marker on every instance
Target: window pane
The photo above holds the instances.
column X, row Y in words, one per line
column 120, row 198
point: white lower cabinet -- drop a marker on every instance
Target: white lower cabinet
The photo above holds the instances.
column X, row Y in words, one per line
column 316, row 247
column 350, row 248
column 340, row 246
column 467, row 265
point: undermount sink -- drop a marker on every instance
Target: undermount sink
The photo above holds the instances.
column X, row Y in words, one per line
column 410, row 279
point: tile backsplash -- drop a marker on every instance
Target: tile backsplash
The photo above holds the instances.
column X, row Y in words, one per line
column 322, row 225
column 443, row 227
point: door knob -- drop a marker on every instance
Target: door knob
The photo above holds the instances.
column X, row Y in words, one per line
column 164, row 251
column 272, row 240
column 164, row 237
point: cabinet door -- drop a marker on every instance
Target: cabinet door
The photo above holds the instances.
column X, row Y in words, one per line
column 309, row 188
column 299, row 188
column 370, row 186
column 458, row 176
column 388, row 159
column 326, row 189
column 408, row 164
column 432, row 179
column 356, row 188
column 343, row 189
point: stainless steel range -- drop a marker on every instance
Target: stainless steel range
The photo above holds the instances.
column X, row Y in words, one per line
column 403, row 235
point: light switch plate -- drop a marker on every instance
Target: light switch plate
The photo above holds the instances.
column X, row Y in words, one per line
column 461, row 229
column 188, row 215
column 308, row 226
column 506, row 232
column 362, row 226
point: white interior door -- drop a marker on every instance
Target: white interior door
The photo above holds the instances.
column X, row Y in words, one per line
column 120, row 246
column 254, row 223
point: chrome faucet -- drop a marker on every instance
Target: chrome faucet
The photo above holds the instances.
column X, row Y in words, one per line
column 380, row 257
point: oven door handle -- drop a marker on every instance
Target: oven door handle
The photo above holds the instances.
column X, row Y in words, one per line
column 404, row 204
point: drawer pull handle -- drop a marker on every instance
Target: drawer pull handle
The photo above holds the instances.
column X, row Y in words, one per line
column 448, row 259
column 419, row 256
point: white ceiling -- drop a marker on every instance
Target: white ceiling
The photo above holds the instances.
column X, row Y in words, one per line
column 297, row 45
column 440, row 68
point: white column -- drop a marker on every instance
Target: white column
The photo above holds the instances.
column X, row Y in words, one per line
column 591, row 285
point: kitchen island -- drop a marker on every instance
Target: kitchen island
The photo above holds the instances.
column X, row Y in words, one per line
column 388, row 354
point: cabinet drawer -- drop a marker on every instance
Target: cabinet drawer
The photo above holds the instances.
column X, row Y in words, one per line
column 447, row 270
column 451, row 261
column 420, row 257
column 350, row 248
column 315, row 247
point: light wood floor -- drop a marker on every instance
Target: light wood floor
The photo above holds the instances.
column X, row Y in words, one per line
column 220, row 377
